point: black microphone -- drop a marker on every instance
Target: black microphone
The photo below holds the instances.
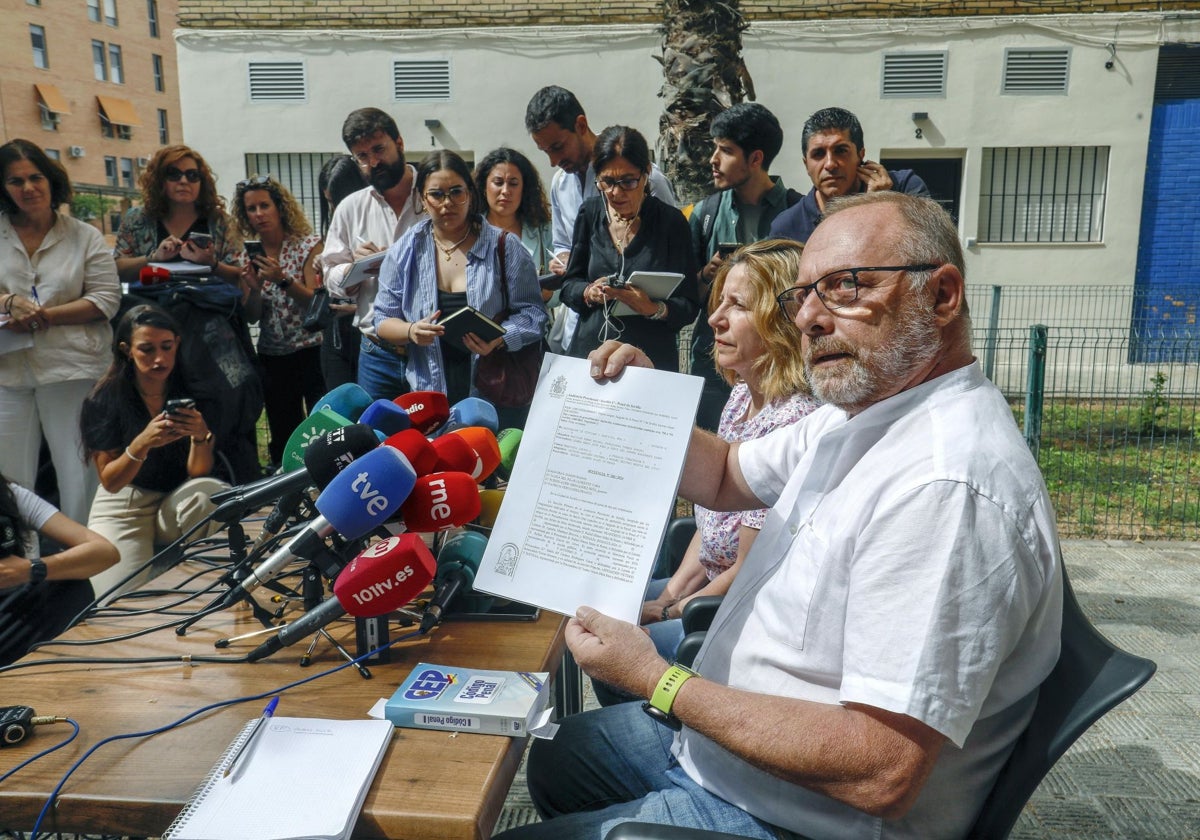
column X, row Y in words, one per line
column 458, row 561
column 236, row 502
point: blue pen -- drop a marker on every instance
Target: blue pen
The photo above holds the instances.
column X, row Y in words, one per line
column 243, row 752
column 33, row 294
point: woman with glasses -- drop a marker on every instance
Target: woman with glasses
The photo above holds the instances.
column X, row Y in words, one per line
column 58, row 288
column 181, row 218
column 448, row 261
column 278, row 279
column 620, row 231
column 756, row 351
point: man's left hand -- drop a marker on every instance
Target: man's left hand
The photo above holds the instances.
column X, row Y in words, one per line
column 615, row 652
column 874, row 176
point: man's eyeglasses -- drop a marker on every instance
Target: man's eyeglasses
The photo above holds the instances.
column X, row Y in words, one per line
column 837, row 289
column 174, row 173
column 251, row 183
column 623, row 184
column 455, row 195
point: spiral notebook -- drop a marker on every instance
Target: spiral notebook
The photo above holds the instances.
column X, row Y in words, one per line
column 302, row 778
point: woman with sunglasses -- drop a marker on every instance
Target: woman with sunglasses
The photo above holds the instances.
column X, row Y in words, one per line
column 181, row 218
column 58, row 288
column 622, row 230
column 278, row 279
column 448, row 261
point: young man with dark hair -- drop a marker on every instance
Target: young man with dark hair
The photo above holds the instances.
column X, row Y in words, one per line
column 746, row 139
column 836, row 159
column 365, row 223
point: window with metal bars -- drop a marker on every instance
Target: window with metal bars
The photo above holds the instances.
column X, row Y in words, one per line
column 1043, row 194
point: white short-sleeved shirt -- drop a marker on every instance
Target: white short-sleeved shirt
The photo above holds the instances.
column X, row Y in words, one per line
column 35, row 512
column 910, row 563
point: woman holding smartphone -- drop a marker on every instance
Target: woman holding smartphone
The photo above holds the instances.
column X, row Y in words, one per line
column 150, row 444
column 278, row 279
column 181, row 218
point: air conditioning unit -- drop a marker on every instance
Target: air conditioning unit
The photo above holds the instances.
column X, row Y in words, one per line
column 76, row 151
column 143, row 162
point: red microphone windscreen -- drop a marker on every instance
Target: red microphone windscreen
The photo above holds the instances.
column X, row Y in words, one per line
column 428, row 410
column 151, row 274
column 454, row 454
column 419, row 451
column 439, row 501
column 385, row 576
column 483, row 442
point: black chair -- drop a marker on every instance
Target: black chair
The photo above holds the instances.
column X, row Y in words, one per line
column 1091, row 678
column 675, row 542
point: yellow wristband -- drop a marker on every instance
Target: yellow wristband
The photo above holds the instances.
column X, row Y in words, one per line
column 668, row 687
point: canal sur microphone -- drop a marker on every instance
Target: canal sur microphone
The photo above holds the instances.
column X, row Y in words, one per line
column 311, row 428
column 439, row 501
column 362, row 496
column 382, row 578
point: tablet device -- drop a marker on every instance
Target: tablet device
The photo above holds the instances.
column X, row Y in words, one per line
column 659, row 285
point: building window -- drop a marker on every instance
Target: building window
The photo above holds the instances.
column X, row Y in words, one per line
column 127, row 172
column 1043, row 194
column 110, row 170
column 116, row 67
column 158, row 73
column 49, row 118
column 37, row 37
column 99, row 64
column 111, row 129
column 53, row 154
column 110, row 12
column 152, row 17
column 33, row 2
column 163, row 133
column 94, row 10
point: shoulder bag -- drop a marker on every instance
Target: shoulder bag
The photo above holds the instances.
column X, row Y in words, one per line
column 507, row 378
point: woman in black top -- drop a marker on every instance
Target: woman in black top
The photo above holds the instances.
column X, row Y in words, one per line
column 620, row 231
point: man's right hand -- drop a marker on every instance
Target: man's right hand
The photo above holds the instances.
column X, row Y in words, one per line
column 365, row 249
column 709, row 272
column 612, row 357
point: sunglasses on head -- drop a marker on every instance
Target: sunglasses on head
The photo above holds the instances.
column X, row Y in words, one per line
column 256, row 181
column 174, row 173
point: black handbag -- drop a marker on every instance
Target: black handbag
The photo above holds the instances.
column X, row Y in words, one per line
column 507, row 378
column 319, row 314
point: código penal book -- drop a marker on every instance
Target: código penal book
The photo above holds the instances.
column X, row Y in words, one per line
column 469, row 700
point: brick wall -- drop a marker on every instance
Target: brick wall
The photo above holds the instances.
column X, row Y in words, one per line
column 423, row 14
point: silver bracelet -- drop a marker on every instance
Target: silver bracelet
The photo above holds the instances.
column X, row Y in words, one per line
column 660, row 314
column 133, row 457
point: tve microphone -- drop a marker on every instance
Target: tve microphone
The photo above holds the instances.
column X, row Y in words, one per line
column 457, row 563
column 348, row 399
column 439, row 501
column 483, row 443
column 316, row 424
column 509, row 441
column 416, row 448
column 472, row 411
column 385, row 416
column 383, row 577
column 359, row 498
column 427, row 410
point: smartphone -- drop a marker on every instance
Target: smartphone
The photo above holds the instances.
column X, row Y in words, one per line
column 254, row 248
column 174, row 406
column 725, row 249
column 202, row 240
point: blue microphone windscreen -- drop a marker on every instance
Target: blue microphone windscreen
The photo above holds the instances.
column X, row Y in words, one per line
column 386, row 417
column 472, row 411
column 348, row 399
column 367, row 492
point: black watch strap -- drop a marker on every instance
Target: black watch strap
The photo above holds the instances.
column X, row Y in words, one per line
column 37, row 571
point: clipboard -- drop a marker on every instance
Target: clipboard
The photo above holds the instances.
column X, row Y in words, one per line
column 659, row 285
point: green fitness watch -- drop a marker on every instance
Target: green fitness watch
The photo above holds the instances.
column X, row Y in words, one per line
column 659, row 704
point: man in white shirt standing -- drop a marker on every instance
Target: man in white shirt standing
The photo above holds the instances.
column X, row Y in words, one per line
column 556, row 122
column 365, row 223
column 881, row 649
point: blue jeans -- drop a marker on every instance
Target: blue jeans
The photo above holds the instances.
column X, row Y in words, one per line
column 614, row 765
column 380, row 373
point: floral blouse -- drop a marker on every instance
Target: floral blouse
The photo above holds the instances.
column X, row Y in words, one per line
column 279, row 329
column 719, row 529
column 139, row 236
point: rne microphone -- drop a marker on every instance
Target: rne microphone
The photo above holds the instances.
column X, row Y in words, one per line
column 385, row 416
column 472, row 411
column 312, row 427
column 427, row 410
column 382, row 578
column 457, row 563
column 359, row 498
column 416, row 448
column 349, row 400
column 439, row 501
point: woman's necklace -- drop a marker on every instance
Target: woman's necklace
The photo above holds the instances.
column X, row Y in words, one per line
column 622, row 241
column 448, row 250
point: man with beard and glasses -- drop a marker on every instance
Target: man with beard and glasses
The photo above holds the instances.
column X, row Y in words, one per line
column 366, row 222
column 881, row 649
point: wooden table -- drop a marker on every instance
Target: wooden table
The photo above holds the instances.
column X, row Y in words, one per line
column 431, row 785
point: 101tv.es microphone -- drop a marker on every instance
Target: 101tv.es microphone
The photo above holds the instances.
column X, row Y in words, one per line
column 359, row 498
column 382, row 578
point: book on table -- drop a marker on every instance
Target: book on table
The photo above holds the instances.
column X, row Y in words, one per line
column 469, row 320
column 469, row 700
column 298, row 778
